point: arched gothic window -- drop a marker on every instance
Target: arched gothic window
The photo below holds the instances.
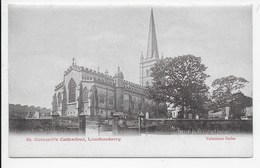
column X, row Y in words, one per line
column 59, row 99
column 111, row 101
column 147, row 72
column 72, row 90
column 101, row 99
column 85, row 94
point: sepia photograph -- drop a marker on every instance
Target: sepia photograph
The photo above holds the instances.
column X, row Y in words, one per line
column 87, row 80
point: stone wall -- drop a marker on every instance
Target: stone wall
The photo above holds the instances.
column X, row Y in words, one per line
column 30, row 125
column 183, row 126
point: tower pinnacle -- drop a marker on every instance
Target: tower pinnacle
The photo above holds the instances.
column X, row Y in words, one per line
column 142, row 56
column 73, row 61
column 152, row 49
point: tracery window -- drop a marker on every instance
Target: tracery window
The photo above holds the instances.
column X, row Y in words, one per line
column 101, row 99
column 111, row 101
column 72, row 90
column 85, row 94
column 147, row 73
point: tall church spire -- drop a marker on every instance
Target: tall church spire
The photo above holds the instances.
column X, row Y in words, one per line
column 145, row 79
column 152, row 49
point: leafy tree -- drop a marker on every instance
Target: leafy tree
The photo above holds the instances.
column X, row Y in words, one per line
column 238, row 103
column 225, row 87
column 180, row 81
column 227, row 93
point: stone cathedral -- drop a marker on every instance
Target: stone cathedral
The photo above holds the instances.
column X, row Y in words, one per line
column 90, row 92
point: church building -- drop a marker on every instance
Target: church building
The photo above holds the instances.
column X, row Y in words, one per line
column 90, row 92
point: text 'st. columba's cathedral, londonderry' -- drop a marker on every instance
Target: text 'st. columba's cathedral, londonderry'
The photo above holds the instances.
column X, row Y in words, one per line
column 85, row 91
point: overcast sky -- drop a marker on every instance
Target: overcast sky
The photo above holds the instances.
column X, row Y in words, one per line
column 44, row 39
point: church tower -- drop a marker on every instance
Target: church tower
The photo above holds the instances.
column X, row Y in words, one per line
column 151, row 56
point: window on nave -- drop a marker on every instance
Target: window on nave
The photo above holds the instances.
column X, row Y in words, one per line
column 85, row 94
column 72, row 90
column 101, row 98
column 147, row 73
column 111, row 101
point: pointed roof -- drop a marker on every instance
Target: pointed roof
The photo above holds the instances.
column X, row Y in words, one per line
column 152, row 49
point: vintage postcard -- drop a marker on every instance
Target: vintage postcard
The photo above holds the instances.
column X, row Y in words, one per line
column 130, row 81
